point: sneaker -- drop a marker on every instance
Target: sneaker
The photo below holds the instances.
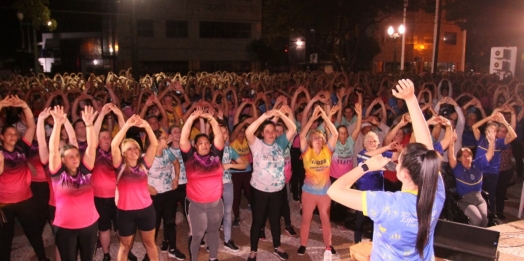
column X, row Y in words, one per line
column 282, row 255
column 131, row 257
column 333, row 251
column 236, row 222
column 146, row 258
column 254, row 258
column 164, row 247
column 202, row 243
column 291, row 231
column 107, row 257
column 177, row 254
column 301, row 250
column 262, row 235
column 229, row 244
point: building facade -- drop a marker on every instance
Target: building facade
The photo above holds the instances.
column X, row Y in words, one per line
column 419, row 36
column 182, row 35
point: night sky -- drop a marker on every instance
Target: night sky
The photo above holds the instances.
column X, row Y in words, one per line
column 498, row 23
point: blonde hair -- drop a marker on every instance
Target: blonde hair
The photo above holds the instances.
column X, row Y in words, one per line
column 367, row 136
column 313, row 133
column 124, row 146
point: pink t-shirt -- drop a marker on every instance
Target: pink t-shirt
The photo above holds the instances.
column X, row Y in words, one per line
column 33, row 157
column 104, row 175
column 132, row 186
column 75, row 204
column 15, row 181
column 204, row 175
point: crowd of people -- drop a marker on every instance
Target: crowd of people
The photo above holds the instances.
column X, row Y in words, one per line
column 91, row 154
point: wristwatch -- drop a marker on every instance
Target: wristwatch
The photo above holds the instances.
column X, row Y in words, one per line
column 364, row 167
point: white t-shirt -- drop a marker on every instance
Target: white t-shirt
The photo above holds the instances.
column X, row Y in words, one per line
column 182, row 179
column 268, row 164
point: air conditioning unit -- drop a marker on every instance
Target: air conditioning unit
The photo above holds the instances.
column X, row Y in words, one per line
column 501, row 53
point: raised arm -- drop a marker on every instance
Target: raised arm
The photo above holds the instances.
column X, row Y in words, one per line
column 43, row 150
column 29, row 118
column 251, row 129
column 476, row 126
column 185, row 143
column 106, row 109
column 88, row 115
column 59, row 117
column 451, row 152
column 405, row 91
column 305, row 128
column 153, row 142
column 218, row 141
column 332, row 140
column 391, row 134
column 116, row 154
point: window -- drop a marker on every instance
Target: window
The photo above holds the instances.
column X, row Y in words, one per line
column 176, row 29
column 450, row 38
column 145, row 28
column 225, row 30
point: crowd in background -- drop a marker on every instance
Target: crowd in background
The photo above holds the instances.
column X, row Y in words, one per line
column 91, row 153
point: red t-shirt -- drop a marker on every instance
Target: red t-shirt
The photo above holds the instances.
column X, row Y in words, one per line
column 75, row 204
column 132, row 186
column 33, row 157
column 104, row 175
column 15, row 181
column 204, row 175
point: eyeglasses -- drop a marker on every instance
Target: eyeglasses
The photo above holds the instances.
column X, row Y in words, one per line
column 372, row 141
column 317, row 138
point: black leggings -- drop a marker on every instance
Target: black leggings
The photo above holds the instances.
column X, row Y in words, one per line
column 359, row 226
column 165, row 209
column 26, row 214
column 299, row 174
column 262, row 204
column 69, row 241
column 240, row 181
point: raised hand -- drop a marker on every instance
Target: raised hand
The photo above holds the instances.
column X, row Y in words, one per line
column 270, row 113
column 106, row 109
column 377, row 162
column 88, row 115
column 59, row 117
column 17, row 102
column 405, row 89
column 44, row 114
column 358, row 109
column 141, row 123
column 133, row 120
column 197, row 112
column 6, row 102
column 334, row 110
column 490, row 137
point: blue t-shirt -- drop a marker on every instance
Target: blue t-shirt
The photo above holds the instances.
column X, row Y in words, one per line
column 470, row 180
column 396, row 223
column 468, row 138
column 494, row 163
column 372, row 180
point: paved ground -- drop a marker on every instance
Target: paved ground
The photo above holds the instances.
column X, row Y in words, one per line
column 341, row 239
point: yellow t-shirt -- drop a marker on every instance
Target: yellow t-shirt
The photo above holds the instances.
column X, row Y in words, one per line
column 317, row 170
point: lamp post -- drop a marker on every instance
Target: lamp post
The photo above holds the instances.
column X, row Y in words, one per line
column 395, row 35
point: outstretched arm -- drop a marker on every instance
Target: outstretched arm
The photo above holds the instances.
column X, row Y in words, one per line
column 88, row 115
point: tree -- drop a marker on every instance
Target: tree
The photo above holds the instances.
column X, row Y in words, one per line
column 338, row 30
column 39, row 15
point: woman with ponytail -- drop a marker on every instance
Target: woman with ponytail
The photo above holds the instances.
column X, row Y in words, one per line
column 404, row 221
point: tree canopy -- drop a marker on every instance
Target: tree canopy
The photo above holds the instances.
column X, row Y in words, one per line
column 37, row 12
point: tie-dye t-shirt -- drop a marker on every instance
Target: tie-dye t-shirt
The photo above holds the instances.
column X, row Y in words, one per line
column 104, row 176
column 162, row 172
column 33, row 157
column 132, row 186
column 75, row 205
column 396, row 223
column 317, row 170
column 268, row 164
column 230, row 154
column 182, row 179
column 16, row 178
column 204, row 175
column 342, row 161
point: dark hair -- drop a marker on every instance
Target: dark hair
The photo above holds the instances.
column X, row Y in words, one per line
column 172, row 127
column 263, row 126
column 198, row 136
column 342, row 127
column 423, row 166
column 147, row 142
column 76, row 122
column 462, row 150
column 4, row 129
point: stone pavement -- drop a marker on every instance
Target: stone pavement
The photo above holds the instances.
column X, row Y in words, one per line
column 511, row 240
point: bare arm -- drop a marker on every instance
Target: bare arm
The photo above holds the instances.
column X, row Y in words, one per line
column 88, row 115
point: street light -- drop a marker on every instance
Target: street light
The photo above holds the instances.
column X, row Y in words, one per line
column 391, row 32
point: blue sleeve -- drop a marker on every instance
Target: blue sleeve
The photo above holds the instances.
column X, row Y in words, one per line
column 359, row 160
column 170, row 155
column 438, row 148
column 387, row 154
column 500, row 144
column 282, row 141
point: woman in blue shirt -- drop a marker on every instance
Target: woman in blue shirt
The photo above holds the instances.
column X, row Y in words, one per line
column 468, row 174
column 405, row 220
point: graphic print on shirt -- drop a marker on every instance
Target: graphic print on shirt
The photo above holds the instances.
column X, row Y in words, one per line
column 16, row 178
column 182, row 179
column 268, row 164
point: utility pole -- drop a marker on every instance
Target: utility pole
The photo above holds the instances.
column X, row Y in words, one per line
column 403, row 38
column 436, row 35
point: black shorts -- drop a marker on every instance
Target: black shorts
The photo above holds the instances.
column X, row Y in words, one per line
column 129, row 220
column 107, row 210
